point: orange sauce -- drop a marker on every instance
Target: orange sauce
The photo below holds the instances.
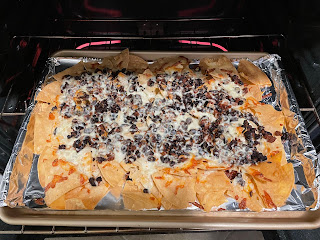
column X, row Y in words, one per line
column 152, row 198
column 106, row 165
column 249, row 102
column 268, row 95
column 168, row 183
column 239, row 130
column 51, row 116
column 39, row 201
column 197, row 205
column 84, row 188
column 161, row 177
column 56, row 179
column 55, row 162
column 53, row 152
column 243, row 204
column 192, row 164
column 83, row 179
column 71, row 170
column 60, row 162
column 177, row 188
column 268, row 200
column 258, row 174
column 272, row 154
column 221, row 209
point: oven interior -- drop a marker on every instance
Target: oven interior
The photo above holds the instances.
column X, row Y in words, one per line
column 32, row 30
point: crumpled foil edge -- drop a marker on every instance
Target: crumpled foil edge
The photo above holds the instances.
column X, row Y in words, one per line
column 299, row 199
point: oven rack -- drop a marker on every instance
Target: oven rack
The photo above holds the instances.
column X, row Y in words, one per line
column 53, row 230
column 71, row 42
column 53, row 43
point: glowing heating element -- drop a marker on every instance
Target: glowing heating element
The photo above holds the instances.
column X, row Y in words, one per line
column 98, row 43
column 204, row 43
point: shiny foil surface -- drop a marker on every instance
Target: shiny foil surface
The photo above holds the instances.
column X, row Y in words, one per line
column 299, row 149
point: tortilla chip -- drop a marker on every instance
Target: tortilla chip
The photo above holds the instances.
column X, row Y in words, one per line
column 274, row 182
column 211, row 187
column 137, row 64
column 191, row 166
column 135, row 199
column 75, row 70
column 60, row 176
column 151, row 91
column 21, row 168
column 49, row 93
column 308, row 168
column 42, row 164
column 91, row 66
column 59, row 204
column 85, row 197
column 253, row 90
column 45, row 123
column 270, row 118
column 218, row 67
column 248, row 71
column 169, row 65
column 88, row 195
column 114, row 174
column 121, row 61
column 107, row 62
column 179, row 191
column 118, row 62
column 290, row 117
column 247, row 196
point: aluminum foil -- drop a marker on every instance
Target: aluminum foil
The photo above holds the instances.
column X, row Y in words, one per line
column 299, row 146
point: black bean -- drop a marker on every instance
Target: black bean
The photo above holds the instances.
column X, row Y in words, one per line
column 172, row 163
column 101, row 159
column 99, row 179
column 164, row 159
column 145, row 190
column 66, row 76
column 188, row 121
column 137, row 153
column 102, row 106
column 150, row 83
column 115, row 108
column 151, row 159
column 78, row 145
column 133, row 128
column 92, row 182
column 62, row 146
column 285, row 136
column 257, row 157
column 231, row 174
column 184, row 125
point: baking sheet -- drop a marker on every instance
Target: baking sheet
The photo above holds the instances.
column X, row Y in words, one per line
column 301, row 198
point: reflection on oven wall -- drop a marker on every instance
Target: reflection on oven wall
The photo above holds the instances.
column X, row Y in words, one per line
column 33, row 30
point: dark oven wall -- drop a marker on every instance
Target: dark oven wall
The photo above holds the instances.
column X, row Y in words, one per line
column 32, row 30
column 74, row 18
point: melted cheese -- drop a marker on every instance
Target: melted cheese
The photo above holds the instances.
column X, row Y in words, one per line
column 121, row 108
